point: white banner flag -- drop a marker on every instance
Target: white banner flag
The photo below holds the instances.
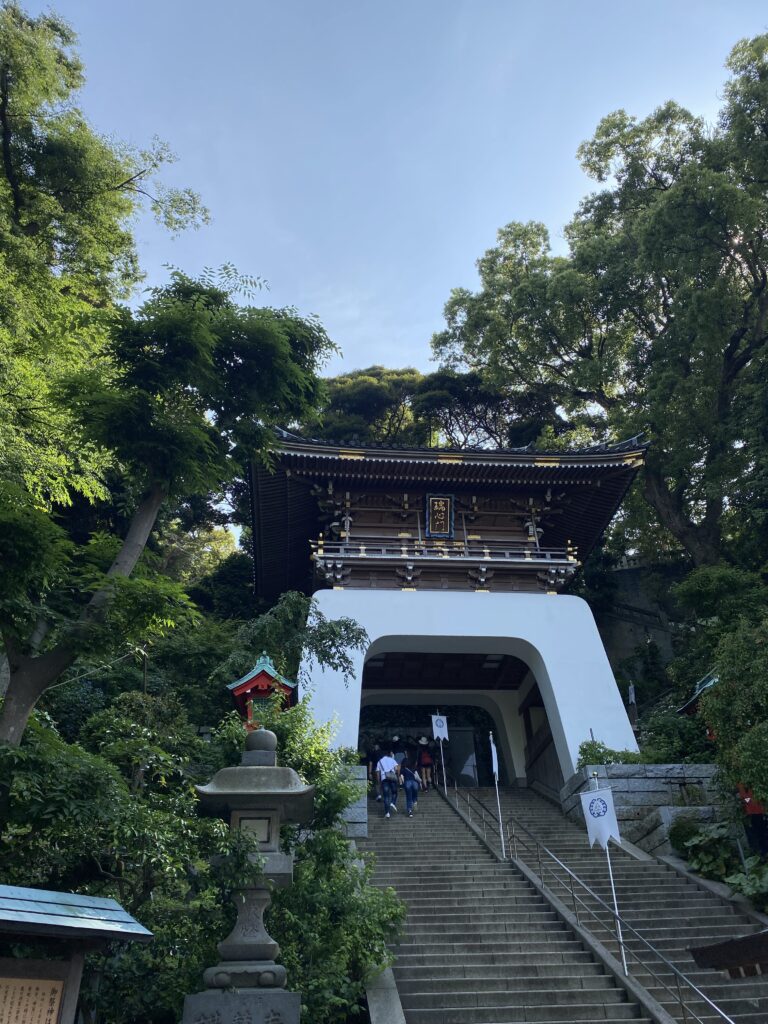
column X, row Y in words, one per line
column 439, row 727
column 600, row 816
column 494, row 759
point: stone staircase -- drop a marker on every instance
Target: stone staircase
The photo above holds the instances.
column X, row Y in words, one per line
column 479, row 945
column 670, row 911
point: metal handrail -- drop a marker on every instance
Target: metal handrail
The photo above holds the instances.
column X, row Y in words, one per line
column 681, row 980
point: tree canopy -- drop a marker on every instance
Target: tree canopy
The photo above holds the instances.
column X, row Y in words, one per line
column 655, row 317
column 68, row 197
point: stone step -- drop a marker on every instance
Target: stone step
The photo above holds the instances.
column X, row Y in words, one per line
column 512, row 959
column 486, row 933
column 579, row 969
column 521, row 1014
column 484, row 982
column 563, row 942
column 483, row 919
column 485, row 997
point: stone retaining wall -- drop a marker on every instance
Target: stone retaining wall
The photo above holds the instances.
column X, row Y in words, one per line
column 356, row 815
column 647, row 797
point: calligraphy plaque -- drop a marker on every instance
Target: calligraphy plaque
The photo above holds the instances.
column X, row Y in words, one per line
column 259, row 826
column 30, row 1000
column 439, row 516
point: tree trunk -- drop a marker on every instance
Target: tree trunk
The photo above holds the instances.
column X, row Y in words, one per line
column 30, row 678
column 31, row 675
column 698, row 541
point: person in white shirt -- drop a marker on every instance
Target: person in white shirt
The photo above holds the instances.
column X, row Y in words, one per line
column 388, row 771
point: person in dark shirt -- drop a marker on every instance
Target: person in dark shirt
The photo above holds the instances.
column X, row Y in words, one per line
column 372, row 759
column 412, row 785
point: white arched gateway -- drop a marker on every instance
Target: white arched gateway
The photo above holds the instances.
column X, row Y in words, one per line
column 555, row 638
column 454, row 562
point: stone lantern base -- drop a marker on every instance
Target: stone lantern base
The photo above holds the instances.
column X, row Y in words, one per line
column 242, row 1006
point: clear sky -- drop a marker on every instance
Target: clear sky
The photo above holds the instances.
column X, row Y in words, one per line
column 361, row 155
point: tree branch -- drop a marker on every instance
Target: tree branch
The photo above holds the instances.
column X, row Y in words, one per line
column 5, row 136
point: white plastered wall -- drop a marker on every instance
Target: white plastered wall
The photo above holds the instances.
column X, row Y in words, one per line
column 555, row 635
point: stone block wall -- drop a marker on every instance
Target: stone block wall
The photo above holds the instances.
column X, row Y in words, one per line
column 356, row 815
column 647, row 797
column 651, row 833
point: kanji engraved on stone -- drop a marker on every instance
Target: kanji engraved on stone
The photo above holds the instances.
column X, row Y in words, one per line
column 273, row 1017
column 242, row 1017
column 208, row 1018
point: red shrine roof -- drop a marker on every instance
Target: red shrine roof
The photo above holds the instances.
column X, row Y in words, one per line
column 262, row 679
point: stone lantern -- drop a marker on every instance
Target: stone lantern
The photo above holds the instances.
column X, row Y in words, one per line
column 247, row 986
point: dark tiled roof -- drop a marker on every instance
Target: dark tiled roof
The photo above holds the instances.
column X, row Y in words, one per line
column 288, row 437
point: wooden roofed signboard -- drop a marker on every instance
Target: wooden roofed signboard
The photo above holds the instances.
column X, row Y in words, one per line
column 43, row 991
column 384, row 517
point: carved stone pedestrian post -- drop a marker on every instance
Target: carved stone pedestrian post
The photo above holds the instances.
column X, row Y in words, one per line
column 247, row 986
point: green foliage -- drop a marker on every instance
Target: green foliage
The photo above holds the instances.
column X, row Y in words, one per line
column 197, row 378
column 117, row 816
column 68, row 196
column 683, row 828
column 227, row 592
column 736, row 707
column 667, row 737
column 372, row 405
column 189, row 556
column 460, row 410
column 333, row 926
column 752, row 882
column 712, row 852
column 652, row 322
column 596, row 752
column 292, row 628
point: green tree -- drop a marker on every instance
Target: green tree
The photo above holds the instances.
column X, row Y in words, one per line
column 117, row 816
column 68, row 197
column 736, row 707
column 656, row 317
column 194, row 382
column 372, row 405
column 293, row 629
column 121, row 821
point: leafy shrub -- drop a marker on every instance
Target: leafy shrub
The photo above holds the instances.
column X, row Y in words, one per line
column 752, row 883
column 669, row 738
column 120, row 820
column 712, row 852
column 683, row 828
column 595, row 752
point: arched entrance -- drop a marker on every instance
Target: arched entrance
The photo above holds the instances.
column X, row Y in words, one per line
column 553, row 636
column 467, row 755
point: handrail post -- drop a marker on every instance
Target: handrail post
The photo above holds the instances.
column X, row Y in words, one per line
column 573, row 898
column 680, row 998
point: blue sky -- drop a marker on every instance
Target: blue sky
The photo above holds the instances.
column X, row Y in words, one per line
column 361, row 156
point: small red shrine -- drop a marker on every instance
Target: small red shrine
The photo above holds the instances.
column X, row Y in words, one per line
column 259, row 685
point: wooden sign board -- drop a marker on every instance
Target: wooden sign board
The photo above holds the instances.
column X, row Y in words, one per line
column 39, row 991
column 439, row 516
column 30, row 1000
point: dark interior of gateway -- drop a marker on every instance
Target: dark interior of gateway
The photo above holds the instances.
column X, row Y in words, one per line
column 467, row 752
column 457, row 679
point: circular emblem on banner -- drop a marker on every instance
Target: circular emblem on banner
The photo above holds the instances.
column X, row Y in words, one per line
column 439, row 723
column 598, row 807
